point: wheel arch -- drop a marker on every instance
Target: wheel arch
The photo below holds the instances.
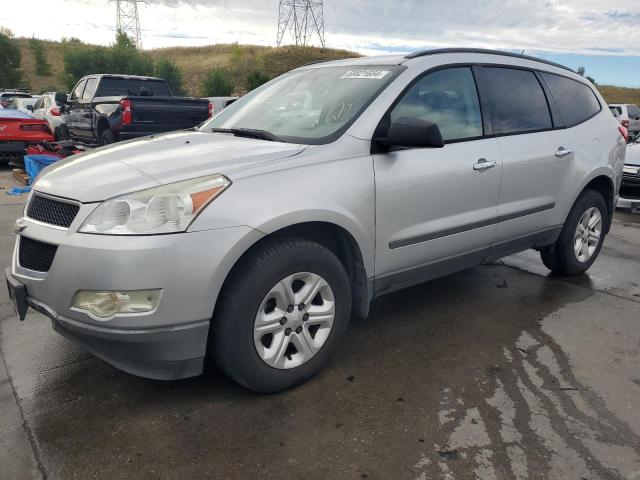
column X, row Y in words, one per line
column 336, row 239
column 602, row 183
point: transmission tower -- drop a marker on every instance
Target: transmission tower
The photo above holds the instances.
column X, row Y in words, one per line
column 127, row 20
column 303, row 18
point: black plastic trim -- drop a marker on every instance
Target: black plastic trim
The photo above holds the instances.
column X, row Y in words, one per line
column 438, row 51
column 405, row 242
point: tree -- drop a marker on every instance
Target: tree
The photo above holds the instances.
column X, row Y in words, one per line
column 217, row 83
column 582, row 72
column 42, row 65
column 121, row 58
column 172, row 74
column 10, row 57
column 255, row 79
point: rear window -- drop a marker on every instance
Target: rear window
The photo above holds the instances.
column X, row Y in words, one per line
column 576, row 101
column 519, row 102
column 634, row 111
column 122, row 87
column 616, row 110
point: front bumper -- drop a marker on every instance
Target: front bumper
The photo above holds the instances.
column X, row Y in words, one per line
column 190, row 268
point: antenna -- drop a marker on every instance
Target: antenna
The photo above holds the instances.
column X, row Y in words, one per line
column 304, row 19
column 127, row 19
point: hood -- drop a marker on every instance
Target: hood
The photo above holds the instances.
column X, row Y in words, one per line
column 633, row 154
column 134, row 165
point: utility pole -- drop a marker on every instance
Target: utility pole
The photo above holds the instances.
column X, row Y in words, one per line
column 304, row 19
column 127, row 19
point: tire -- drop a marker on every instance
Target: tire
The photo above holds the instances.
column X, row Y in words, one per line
column 61, row 132
column 233, row 341
column 107, row 137
column 562, row 257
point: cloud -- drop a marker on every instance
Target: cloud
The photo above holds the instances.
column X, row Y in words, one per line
column 367, row 26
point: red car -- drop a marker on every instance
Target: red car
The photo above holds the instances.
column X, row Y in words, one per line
column 18, row 130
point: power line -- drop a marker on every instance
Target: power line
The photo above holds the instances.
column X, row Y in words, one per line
column 304, row 19
column 127, row 19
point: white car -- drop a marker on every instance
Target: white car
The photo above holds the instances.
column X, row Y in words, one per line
column 628, row 115
column 48, row 108
column 23, row 104
column 630, row 187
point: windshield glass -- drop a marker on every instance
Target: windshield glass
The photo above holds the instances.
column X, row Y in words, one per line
column 313, row 106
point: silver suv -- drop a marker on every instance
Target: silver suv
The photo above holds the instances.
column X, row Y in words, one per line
column 254, row 238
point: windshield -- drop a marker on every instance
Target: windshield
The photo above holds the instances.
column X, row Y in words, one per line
column 312, row 106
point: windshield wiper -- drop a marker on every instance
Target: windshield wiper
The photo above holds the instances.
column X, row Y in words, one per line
column 250, row 133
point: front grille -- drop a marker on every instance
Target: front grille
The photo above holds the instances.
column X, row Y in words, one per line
column 54, row 212
column 36, row 255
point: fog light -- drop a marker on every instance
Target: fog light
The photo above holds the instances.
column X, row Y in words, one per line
column 107, row 304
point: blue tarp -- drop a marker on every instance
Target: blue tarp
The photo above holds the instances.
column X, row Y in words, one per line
column 33, row 165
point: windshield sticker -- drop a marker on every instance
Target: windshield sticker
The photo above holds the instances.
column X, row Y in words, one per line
column 370, row 74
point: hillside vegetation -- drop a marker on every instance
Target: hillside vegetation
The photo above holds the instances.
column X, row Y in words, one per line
column 240, row 61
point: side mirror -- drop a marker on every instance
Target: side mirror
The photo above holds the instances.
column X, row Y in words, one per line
column 407, row 132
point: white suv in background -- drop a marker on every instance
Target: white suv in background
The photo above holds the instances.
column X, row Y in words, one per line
column 628, row 115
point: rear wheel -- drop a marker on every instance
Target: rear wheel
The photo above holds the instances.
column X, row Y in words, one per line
column 107, row 137
column 61, row 132
column 281, row 315
column 581, row 238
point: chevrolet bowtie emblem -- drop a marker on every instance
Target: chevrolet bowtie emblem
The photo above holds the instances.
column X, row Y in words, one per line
column 19, row 226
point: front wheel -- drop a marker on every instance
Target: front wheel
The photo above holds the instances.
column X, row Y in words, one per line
column 281, row 315
column 581, row 238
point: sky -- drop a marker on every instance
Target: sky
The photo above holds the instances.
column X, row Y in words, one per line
column 603, row 36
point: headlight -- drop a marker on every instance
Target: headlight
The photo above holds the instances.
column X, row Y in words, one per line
column 164, row 209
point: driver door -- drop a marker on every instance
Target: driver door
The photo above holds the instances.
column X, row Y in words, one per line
column 436, row 208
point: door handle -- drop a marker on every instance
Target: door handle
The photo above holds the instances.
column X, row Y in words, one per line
column 484, row 164
column 563, row 152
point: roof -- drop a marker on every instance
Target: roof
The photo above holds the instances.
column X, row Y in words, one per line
column 117, row 75
column 12, row 113
column 486, row 51
column 400, row 59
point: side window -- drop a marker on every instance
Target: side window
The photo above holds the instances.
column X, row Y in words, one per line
column 447, row 98
column 77, row 92
column 90, row 89
column 519, row 103
column 39, row 103
column 634, row 111
column 576, row 101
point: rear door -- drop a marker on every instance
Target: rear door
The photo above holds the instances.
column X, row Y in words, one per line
column 75, row 108
column 634, row 118
column 436, row 207
column 537, row 158
column 85, row 125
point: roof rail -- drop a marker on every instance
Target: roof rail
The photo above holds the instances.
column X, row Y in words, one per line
column 424, row 53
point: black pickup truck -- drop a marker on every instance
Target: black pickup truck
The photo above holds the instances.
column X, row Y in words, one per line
column 107, row 108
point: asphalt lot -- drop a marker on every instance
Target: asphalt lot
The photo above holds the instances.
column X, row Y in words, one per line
column 498, row 372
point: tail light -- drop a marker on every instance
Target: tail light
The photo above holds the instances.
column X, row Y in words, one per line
column 212, row 109
column 34, row 127
column 623, row 131
column 127, row 114
column 55, row 112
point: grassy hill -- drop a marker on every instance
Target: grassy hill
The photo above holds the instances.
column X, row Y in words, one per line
column 194, row 62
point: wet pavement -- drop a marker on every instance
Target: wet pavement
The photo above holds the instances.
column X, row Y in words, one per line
column 498, row 372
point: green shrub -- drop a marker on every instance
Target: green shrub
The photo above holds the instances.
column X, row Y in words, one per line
column 42, row 65
column 172, row 74
column 121, row 58
column 255, row 79
column 10, row 74
column 217, row 83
